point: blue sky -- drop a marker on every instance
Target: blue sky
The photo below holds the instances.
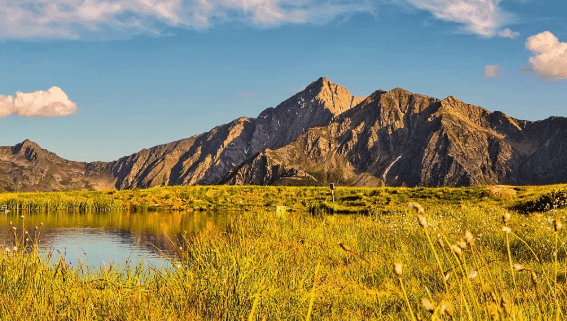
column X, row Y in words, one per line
column 100, row 79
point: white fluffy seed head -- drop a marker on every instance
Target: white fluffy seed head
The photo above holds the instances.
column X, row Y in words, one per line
column 518, row 267
column 428, row 305
column 557, row 225
column 398, row 269
column 417, row 207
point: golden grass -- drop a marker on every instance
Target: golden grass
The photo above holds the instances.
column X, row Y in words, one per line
column 320, row 267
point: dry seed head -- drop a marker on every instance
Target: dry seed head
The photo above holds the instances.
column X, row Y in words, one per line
column 398, row 269
column 22, row 217
column 506, row 305
column 445, row 308
column 557, row 225
column 533, row 275
column 506, row 217
column 457, row 250
column 518, row 267
column 345, row 247
column 447, row 275
column 473, row 274
column 417, row 207
column 440, row 241
column 493, row 311
column 462, row 244
column 506, row 229
column 428, row 305
column 469, row 238
column 422, row 220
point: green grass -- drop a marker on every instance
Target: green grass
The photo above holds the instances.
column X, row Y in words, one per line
column 203, row 198
column 319, row 267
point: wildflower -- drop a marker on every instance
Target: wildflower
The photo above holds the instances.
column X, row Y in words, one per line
column 398, row 269
column 427, row 305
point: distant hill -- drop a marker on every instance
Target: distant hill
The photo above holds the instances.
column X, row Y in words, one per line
column 324, row 134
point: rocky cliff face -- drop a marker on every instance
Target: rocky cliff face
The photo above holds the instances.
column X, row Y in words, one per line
column 324, row 134
column 399, row 138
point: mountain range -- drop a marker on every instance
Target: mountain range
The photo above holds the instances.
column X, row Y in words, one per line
column 322, row 135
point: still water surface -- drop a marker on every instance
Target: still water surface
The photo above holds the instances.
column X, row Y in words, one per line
column 98, row 239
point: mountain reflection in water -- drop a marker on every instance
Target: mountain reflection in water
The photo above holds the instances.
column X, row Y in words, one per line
column 99, row 239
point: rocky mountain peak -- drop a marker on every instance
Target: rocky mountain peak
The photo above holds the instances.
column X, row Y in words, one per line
column 27, row 149
column 322, row 94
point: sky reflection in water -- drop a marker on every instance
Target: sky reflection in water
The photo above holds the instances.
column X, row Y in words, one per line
column 99, row 239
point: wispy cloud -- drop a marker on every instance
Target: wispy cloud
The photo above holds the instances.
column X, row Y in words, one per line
column 491, row 71
column 551, row 55
column 41, row 19
column 248, row 95
column 482, row 17
column 507, row 33
column 51, row 103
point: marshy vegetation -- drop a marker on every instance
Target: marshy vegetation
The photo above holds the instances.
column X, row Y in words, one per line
column 453, row 254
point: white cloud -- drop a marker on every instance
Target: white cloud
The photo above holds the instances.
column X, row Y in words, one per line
column 50, row 103
column 551, row 55
column 82, row 18
column 482, row 17
column 507, row 33
column 491, row 71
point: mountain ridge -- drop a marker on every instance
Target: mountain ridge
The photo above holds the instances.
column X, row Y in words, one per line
column 325, row 134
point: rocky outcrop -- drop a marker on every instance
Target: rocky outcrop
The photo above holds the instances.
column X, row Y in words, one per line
column 320, row 135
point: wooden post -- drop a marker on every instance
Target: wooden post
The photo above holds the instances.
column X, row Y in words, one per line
column 332, row 187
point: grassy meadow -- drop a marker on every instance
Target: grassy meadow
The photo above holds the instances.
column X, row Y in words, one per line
column 478, row 253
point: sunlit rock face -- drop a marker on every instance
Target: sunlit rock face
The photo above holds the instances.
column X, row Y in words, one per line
column 320, row 135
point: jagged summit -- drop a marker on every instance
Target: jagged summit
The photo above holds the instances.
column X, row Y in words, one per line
column 325, row 134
